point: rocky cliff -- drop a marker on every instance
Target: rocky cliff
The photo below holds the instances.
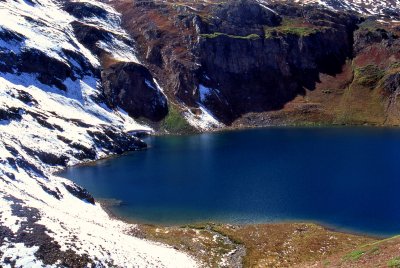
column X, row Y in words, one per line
column 249, row 62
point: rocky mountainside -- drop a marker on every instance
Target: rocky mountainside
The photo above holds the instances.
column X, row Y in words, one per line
column 54, row 113
column 80, row 80
column 265, row 62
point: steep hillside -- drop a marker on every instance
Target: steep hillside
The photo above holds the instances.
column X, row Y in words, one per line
column 53, row 113
column 255, row 63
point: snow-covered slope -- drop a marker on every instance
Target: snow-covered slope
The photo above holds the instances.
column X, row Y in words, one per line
column 52, row 114
column 386, row 8
column 368, row 7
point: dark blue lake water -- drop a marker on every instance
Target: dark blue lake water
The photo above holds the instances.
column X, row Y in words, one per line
column 347, row 178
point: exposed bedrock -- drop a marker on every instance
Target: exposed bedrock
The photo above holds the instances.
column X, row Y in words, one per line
column 392, row 84
column 79, row 192
column 131, row 87
column 254, row 67
column 366, row 37
column 237, row 57
column 127, row 85
column 15, row 57
column 82, row 10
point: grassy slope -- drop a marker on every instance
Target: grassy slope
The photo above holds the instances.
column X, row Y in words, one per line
column 381, row 253
column 266, row 245
column 175, row 122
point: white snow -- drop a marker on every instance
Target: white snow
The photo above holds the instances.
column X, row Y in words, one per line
column 22, row 255
column 46, row 27
column 69, row 216
column 203, row 121
column 364, row 7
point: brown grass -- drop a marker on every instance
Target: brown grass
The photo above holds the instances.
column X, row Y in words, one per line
column 267, row 245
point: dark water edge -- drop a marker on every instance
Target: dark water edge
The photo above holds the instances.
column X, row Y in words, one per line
column 343, row 178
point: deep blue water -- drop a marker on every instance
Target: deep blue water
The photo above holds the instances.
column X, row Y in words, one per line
column 347, row 178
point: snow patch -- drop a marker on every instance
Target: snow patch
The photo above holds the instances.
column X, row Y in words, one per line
column 202, row 121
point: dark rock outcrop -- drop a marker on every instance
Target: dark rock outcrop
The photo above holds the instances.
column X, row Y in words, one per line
column 131, row 87
column 114, row 141
column 83, row 152
column 364, row 38
column 125, row 84
column 392, row 83
column 242, row 18
column 48, row 158
column 50, row 70
column 82, row 10
column 15, row 58
column 25, row 97
column 79, row 192
column 55, row 193
column 10, row 113
column 90, row 35
column 260, row 68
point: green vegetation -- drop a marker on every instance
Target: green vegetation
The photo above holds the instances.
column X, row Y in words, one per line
column 374, row 250
column 299, row 31
column 394, row 68
column 370, row 25
column 381, row 241
column 174, row 122
column 326, row 263
column 357, row 254
column 373, row 25
column 354, row 255
column 218, row 34
column 291, row 26
column 395, row 262
column 368, row 76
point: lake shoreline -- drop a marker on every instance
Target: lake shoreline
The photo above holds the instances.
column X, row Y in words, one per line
column 186, row 237
column 107, row 205
column 239, row 250
column 160, row 146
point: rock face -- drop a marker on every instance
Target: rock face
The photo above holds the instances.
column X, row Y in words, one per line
column 131, row 87
column 79, row 192
column 241, row 17
column 262, row 67
column 257, row 59
column 241, row 56
column 49, row 70
column 126, row 83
